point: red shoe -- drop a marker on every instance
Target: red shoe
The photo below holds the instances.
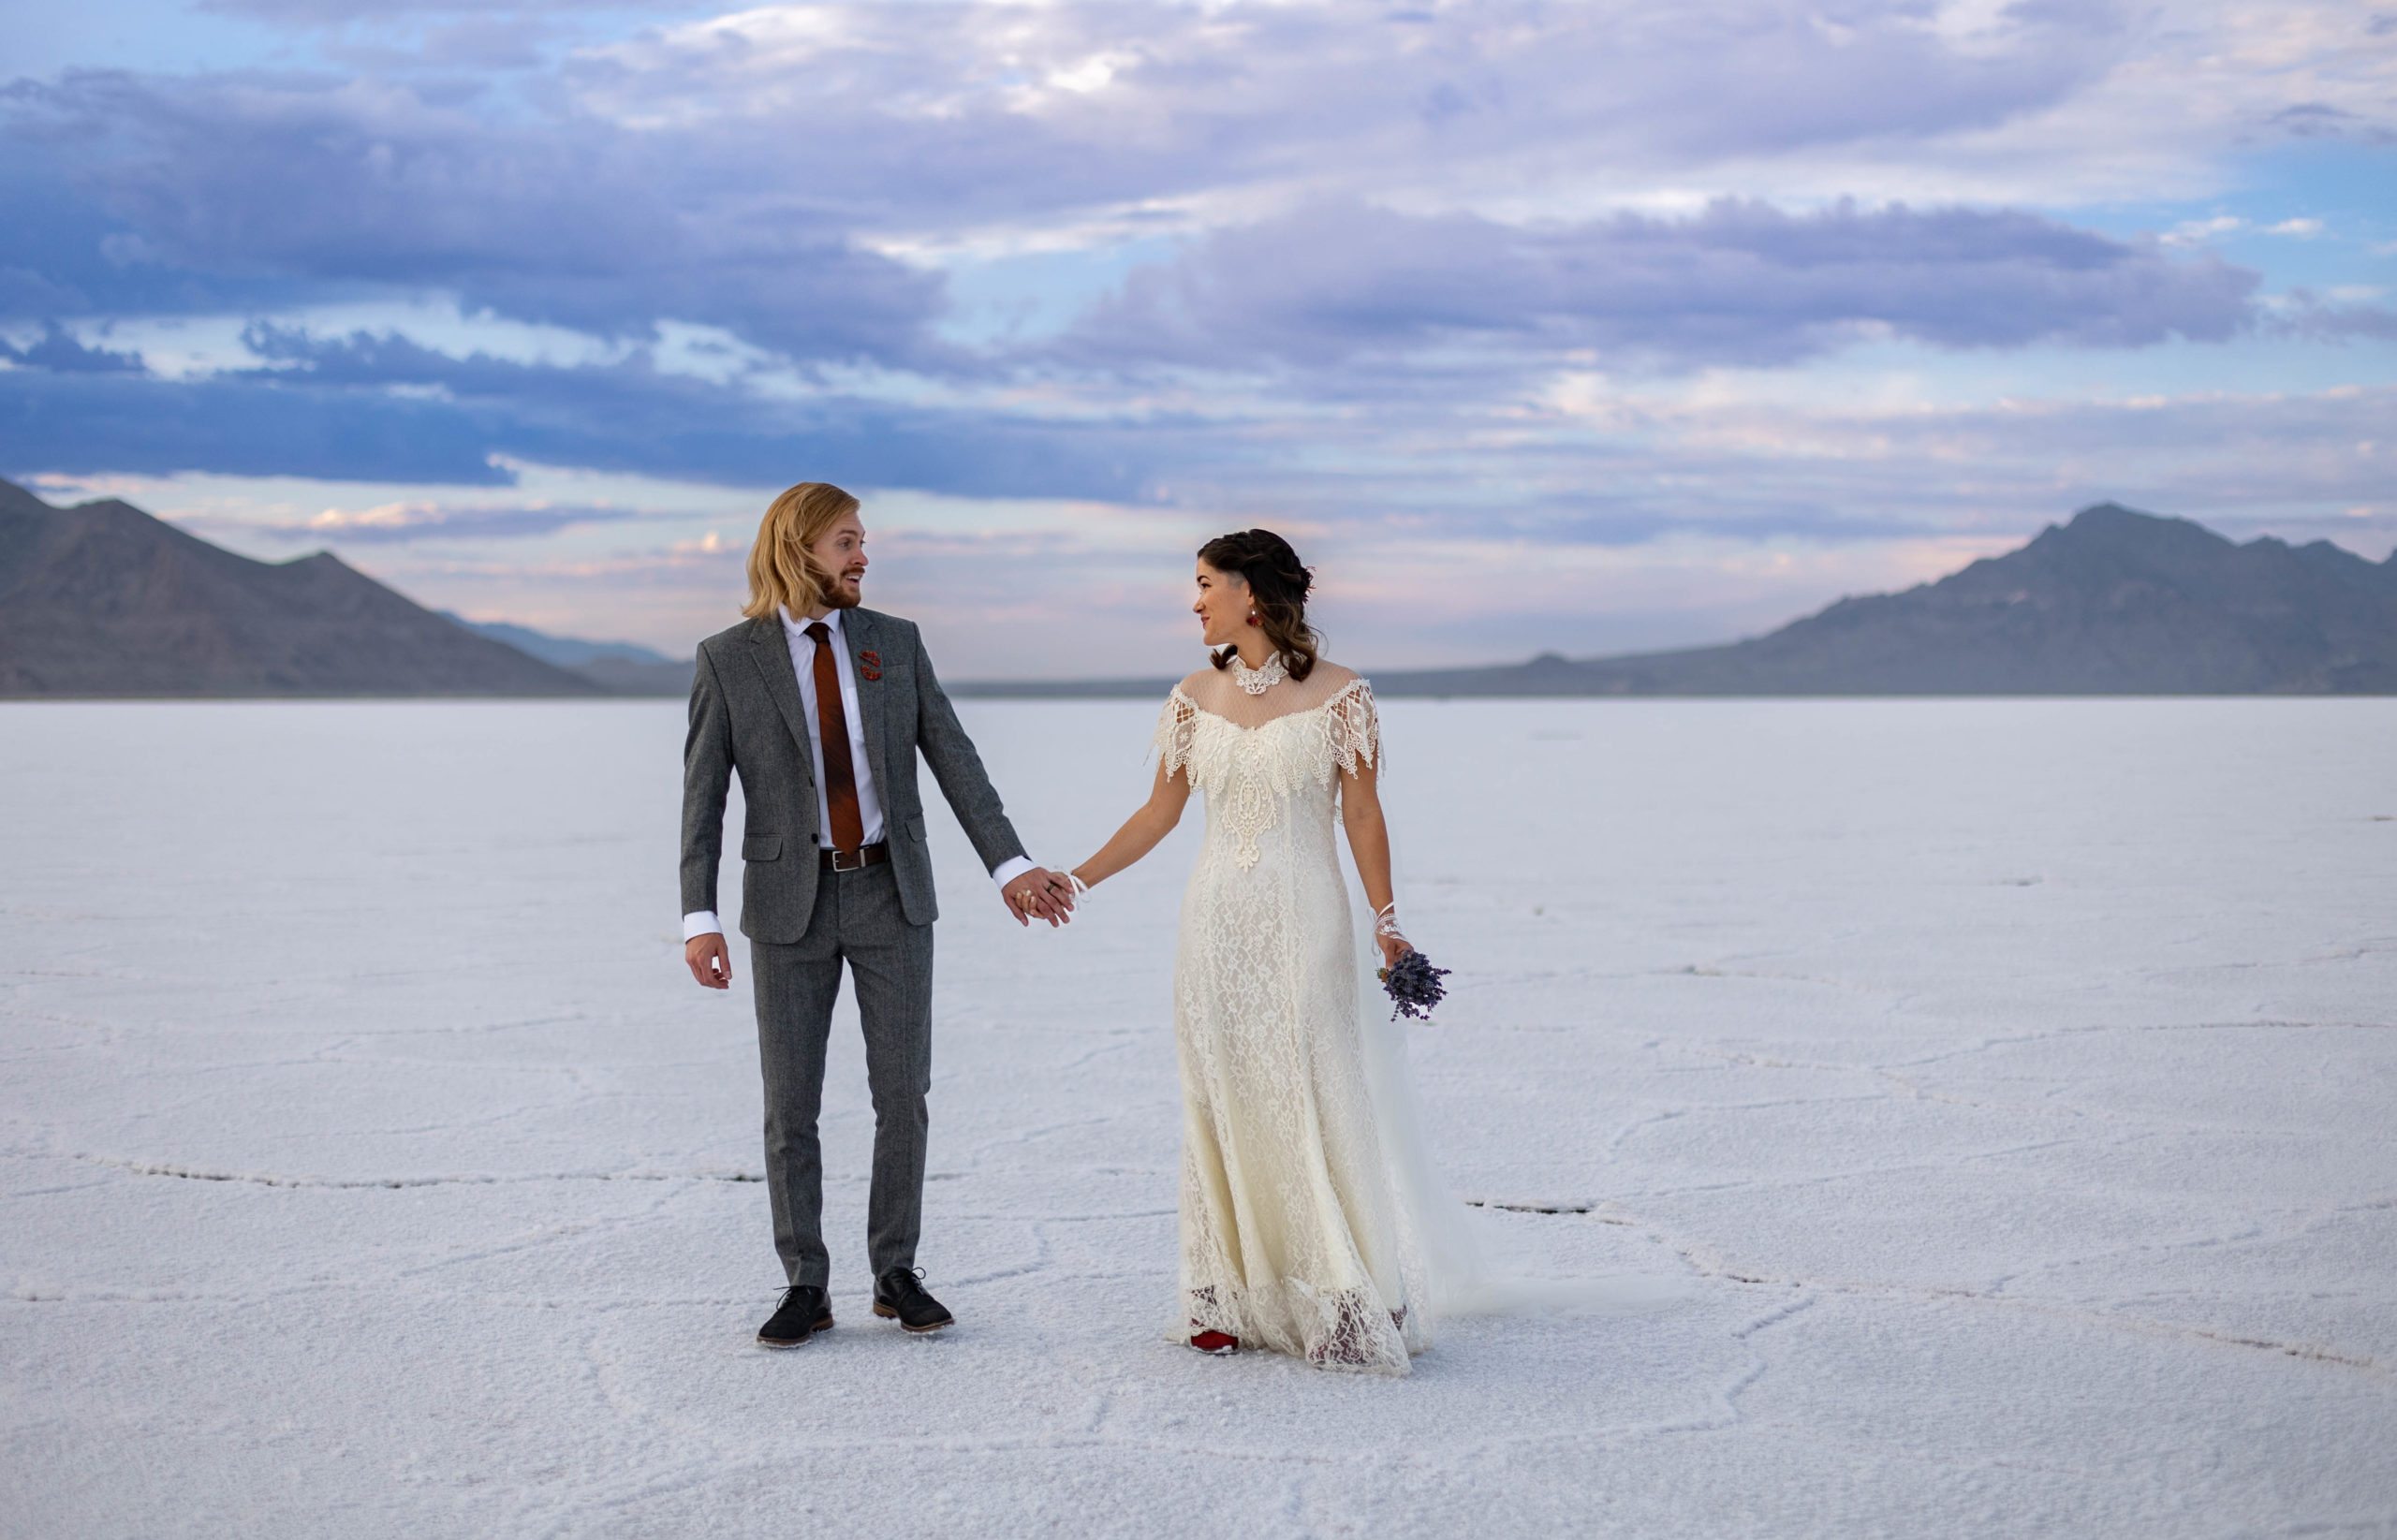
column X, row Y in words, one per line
column 1217, row 1343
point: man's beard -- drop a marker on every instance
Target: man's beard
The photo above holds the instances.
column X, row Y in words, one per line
column 839, row 594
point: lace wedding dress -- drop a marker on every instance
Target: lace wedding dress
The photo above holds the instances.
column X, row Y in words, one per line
column 1298, row 1232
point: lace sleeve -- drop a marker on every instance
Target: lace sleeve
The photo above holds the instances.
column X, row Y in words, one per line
column 1177, row 726
column 1355, row 731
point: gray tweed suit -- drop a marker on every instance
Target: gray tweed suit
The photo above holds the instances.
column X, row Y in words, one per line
column 747, row 716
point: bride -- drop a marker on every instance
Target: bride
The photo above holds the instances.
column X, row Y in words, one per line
column 1305, row 1219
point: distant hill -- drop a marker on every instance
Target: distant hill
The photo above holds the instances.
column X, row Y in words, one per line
column 104, row 600
column 624, row 677
column 565, row 652
column 2117, row 602
column 2114, row 603
column 619, row 668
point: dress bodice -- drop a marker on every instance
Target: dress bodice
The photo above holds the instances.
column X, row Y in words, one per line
column 1263, row 760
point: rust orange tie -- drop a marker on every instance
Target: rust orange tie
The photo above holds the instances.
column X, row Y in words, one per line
column 832, row 727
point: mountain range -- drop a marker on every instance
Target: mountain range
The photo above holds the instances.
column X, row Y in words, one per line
column 104, row 600
column 2116, row 602
column 619, row 668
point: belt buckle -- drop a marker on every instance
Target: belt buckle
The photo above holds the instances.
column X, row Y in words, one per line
column 856, row 858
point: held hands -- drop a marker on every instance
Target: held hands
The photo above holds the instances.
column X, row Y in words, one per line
column 1037, row 893
column 1042, row 894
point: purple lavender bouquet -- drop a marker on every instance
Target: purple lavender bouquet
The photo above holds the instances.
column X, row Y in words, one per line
column 1414, row 985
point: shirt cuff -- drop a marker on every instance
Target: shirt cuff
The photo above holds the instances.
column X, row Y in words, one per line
column 700, row 922
column 1011, row 869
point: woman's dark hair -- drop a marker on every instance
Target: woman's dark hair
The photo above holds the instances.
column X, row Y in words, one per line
column 1277, row 591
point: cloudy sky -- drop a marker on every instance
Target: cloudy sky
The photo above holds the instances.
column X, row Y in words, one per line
column 1586, row 327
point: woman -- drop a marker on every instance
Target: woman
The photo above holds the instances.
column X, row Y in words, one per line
column 1298, row 1233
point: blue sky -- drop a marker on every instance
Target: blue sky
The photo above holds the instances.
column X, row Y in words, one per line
column 1537, row 325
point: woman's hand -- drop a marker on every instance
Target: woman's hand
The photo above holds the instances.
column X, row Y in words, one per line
column 1393, row 947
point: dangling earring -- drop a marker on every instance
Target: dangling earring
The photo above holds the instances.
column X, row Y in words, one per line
column 1252, row 617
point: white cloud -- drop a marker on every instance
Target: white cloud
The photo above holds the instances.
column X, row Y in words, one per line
column 2199, row 232
column 777, row 236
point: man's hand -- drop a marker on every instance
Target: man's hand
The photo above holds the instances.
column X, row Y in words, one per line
column 1037, row 894
column 709, row 963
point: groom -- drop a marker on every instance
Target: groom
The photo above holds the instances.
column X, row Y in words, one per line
column 822, row 708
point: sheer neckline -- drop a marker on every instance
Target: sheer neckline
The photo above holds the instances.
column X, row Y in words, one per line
column 1327, row 703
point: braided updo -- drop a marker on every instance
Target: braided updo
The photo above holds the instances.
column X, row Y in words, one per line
column 1277, row 590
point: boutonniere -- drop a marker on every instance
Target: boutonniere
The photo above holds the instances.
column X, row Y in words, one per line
column 870, row 664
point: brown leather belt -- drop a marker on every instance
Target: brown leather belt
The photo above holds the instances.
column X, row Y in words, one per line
column 851, row 860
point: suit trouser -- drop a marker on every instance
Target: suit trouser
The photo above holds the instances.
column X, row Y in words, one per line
column 858, row 919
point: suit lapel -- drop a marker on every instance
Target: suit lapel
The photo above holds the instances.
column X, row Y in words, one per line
column 771, row 650
column 859, row 629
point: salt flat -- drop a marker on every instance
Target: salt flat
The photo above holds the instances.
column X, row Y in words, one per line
column 2012, row 1085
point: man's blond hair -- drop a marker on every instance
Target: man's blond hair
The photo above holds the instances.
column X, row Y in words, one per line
column 782, row 572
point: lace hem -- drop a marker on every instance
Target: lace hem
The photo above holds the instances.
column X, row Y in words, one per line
column 1345, row 1331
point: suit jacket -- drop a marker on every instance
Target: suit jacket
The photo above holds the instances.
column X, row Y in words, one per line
column 747, row 717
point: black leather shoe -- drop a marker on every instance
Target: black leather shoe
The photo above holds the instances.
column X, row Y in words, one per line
column 898, row 1297
column 805, row 1310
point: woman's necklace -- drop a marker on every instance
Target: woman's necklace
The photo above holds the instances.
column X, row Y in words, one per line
column 1258, row 681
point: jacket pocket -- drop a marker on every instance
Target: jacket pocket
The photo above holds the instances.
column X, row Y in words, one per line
column 914, row 827
column 761, row 847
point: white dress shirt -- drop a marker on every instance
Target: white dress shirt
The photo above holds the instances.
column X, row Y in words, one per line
column 803, row 661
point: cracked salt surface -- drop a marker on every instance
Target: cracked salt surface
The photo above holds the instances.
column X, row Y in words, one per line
column 2011, row 1084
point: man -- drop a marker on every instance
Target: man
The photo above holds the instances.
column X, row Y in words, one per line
column 822, row 708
